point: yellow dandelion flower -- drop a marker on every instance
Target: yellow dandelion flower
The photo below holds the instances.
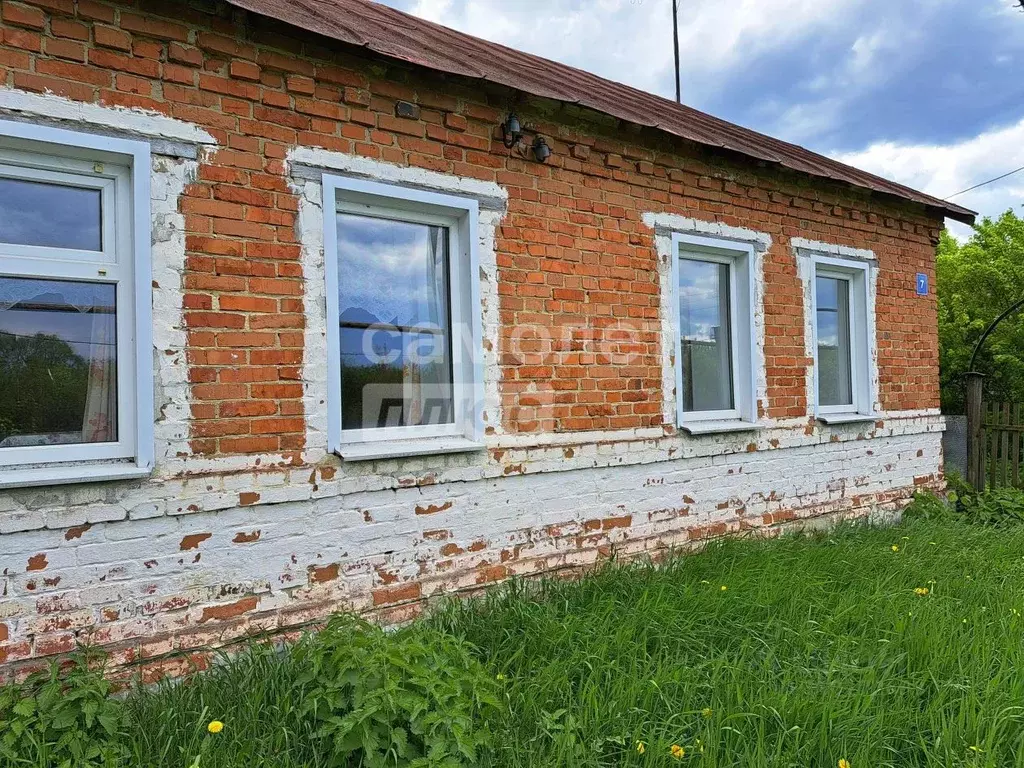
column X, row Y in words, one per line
column 895, row 547
column 724, row 587
column 641, row 747
column 678, row 752
column 921, row 591
column 707, row 711
column 215, row 726
column 844, row 763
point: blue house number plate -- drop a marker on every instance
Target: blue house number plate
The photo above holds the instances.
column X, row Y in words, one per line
column 922, row 284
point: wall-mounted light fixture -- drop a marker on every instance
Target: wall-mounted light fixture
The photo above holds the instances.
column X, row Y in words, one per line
column 511, row 130
column 541, row 150
column 512, row 137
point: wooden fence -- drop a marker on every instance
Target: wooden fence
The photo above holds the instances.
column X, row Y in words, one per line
column 994, row 435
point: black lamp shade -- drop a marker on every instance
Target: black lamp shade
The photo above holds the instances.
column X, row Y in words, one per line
column 511, row 130
column 541, row 150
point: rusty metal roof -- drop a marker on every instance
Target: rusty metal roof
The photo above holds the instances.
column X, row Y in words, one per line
column 399, row 35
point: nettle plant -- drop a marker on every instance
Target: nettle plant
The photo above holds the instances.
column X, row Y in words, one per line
column 63, row 717
column 406, row 698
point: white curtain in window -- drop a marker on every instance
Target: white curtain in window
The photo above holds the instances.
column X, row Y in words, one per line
column 426, row 375
column 100, row 421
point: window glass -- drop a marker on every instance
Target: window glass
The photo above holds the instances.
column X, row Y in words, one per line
column 835, row 380
column 705, row 325
column 58, row 362
column 50, row 215
column 393, row 300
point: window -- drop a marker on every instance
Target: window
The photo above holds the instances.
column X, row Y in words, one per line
column 72, row 369
column 403, row 320
column 715, row 351
column 842, row 339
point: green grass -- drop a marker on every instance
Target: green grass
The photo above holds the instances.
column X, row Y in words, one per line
column 818, row 650
column 253, row 694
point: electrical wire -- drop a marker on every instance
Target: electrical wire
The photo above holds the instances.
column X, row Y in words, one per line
column 982, row 184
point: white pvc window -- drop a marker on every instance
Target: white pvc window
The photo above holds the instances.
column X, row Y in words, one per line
column 842, row 338
column 712, row 279
column 75, row 368
column 403, row 316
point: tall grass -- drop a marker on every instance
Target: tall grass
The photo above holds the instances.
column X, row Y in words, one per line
column 816, row 650
column 797, row 652
column 255, row 694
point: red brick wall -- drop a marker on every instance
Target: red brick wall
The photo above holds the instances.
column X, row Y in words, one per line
column 578, row 276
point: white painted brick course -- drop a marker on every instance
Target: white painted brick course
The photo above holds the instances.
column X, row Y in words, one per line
column 385, row 538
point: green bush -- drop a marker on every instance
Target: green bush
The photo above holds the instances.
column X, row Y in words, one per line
column 413, row 698
column 995, row 507
column 62, row 718
column 999, row 507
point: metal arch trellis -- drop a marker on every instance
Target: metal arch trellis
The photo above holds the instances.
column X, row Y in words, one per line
column 978, row 432
column 991, row 327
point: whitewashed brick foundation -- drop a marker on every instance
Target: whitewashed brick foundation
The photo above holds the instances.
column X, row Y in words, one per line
column 155, row 568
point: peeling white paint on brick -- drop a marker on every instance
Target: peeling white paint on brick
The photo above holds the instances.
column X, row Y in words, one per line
column 489, row 193
column 60, row 507
column 832, row 249
column 310, row 232
column 135, row 121
column 163, row 574
column 664, row 224
column 487, row 228
column 171, row 390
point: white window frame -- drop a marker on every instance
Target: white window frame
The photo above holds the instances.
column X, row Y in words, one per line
column 120, row 168
column 740, row 257
column 857, row 274
column 459, row 215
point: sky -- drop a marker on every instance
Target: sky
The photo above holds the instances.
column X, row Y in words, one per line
column 926, row 92
column 49, row 215
column 402, row 273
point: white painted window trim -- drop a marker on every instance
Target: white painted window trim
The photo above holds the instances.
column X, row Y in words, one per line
column 741, row 259
column 862, row 342
column 459, row 214
column 128, row 180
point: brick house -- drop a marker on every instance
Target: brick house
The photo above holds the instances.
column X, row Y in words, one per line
column 295, row 318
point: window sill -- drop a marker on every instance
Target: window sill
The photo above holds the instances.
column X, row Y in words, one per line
column 846, row 418
column 82, row 473
column 714, row 427
column 393, row 449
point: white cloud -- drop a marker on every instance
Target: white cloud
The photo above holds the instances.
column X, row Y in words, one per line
column 870, row 45
column 630, row 41
column 943, row 170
